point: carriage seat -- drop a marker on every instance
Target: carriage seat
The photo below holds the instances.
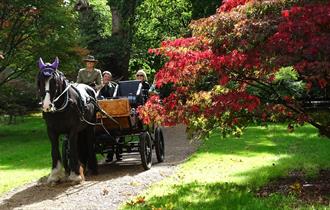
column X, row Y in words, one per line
column 132, row 90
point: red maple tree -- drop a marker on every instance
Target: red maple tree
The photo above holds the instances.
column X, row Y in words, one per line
column 253, row 61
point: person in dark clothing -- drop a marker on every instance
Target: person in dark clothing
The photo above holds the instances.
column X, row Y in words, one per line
column 108, row 87
column 142, row 76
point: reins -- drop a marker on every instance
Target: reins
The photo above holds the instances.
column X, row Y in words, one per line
column 94, row 102
column 81, row 108
column 65, row 102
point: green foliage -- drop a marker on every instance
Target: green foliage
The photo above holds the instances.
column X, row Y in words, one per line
column 102, row 17
column 95, row 30
column 260, row 10
column 95, row 22
column 286, row 73
column 18, row 97
column 30, row 30
column 286, row 80
column 156, row 21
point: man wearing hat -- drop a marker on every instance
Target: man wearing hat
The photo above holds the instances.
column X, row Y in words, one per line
column 108, row 87
column 90, row 75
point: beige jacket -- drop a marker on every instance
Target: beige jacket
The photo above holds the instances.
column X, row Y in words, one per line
column 92, row 78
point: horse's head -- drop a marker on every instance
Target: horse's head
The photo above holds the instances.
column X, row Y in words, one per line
column 49, row 84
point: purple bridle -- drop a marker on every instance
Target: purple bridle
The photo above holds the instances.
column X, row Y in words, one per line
column 48, row 69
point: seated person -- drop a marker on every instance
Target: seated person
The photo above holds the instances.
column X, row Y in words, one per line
column 90, row 75
column 108, row 87
column 142, row 76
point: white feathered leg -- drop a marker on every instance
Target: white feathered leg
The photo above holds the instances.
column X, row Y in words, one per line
column 57, row 174
column 75, row 178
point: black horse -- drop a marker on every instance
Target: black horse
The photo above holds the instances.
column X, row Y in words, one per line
column 68, row 109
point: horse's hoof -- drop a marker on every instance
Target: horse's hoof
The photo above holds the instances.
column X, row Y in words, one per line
column 56, row 175
column 52, row 180
column 55, row 178
column 74, row 178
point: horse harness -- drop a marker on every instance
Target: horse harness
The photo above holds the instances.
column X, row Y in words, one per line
column 81, row 107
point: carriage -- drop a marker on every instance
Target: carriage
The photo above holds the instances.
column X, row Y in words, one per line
column 70, row 110
column 119, row 130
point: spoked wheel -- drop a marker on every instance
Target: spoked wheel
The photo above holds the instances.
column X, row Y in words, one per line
column 159, row 144
column 65, row 154
column 146, row 150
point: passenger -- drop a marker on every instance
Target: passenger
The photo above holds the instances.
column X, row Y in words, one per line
column 90, row 75
column 1, row 55
column 108, row 87
column 142, row 76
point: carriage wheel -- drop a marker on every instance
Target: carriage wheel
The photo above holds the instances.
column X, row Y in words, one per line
column 119, row 155
column 65, row 154
column 159, row 144
column 109, row 156
column 119, row 148
column 146, row 150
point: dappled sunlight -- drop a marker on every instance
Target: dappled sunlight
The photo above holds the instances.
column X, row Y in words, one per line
column 196, row 195
column 268, row 144
column 226, row 171
column 294, row 135
column 36, row 114
column 24, row 166
column 227, row 168
column 256, row 154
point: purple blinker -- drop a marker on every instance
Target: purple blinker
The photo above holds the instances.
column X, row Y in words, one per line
column 48, row 69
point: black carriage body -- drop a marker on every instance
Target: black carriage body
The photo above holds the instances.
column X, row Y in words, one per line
column 120, row 130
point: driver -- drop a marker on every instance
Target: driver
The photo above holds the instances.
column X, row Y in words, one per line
column 90, row 75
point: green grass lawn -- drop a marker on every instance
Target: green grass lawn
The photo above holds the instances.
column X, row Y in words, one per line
column 226, row 172
column 223, row 174
column 24, row 152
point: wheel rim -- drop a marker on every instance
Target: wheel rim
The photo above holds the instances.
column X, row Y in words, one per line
column 159, row 145
column 146, row 150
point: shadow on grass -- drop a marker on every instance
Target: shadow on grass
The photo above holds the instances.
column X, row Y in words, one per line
column 260, row 139
column 212, row 196
column 38, row 192
column 301, row 150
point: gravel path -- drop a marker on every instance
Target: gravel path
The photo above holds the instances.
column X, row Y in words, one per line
column 116, row 183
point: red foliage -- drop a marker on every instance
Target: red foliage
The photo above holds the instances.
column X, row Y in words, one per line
column 244, row 52
column 234, row 102
column 228, row 5
column 303, row 37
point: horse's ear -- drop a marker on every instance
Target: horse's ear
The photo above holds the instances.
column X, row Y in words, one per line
column 41, row 63
column 55, row 63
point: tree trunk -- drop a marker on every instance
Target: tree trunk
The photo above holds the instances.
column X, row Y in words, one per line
column 123, row 13
column 117, row 55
